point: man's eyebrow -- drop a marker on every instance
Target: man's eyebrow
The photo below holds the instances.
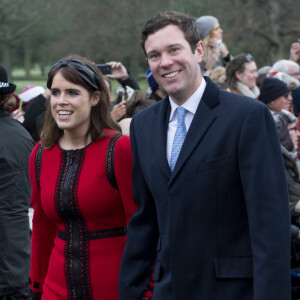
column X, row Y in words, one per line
column 168, row 47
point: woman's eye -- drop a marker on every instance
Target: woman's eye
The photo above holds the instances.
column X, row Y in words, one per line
column 54, row 93
column 73, row 93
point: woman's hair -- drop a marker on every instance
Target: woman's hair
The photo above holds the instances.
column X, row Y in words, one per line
column 237, row 64
column 207, row 48
column 82, row 72
column 7, row 102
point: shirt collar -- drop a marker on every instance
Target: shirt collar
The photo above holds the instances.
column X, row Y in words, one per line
column 192, row 103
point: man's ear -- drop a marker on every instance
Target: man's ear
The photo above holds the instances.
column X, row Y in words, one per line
column 200, row 51
column 96, row 98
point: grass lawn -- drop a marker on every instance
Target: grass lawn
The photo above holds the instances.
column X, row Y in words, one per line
column 38, row 79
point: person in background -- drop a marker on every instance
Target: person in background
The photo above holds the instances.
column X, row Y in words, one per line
column 80, row 174
column 287, row 66
column 241, row 75
column 288, row 135
column 275, row 94
column 217, row 75
column 211, row 216
column 155, row 92
column 262, row 73
column 16, row 145
column 120, row 73
column 216, row 52
column 137, row 102
column 35, row 111
column 295, row 51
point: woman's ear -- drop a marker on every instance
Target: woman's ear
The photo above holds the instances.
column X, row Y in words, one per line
column 238, row 75
column 95, row 98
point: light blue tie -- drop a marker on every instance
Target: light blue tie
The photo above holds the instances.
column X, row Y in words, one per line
column 179, row 136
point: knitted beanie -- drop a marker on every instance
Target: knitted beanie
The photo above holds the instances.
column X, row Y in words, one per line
column 205, row 24
column 271, row 89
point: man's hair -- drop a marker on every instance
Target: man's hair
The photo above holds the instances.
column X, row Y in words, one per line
column 186, row 23
column 283, row 65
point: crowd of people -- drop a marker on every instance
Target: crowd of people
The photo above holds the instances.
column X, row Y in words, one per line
column 161, row 194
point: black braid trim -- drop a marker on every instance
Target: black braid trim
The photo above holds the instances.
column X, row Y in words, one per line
column 109, row 160
column 38, row 163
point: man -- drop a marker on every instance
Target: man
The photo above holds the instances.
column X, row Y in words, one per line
column 16, row 145
column 217, row 227
column 275, row 94
column 287, row 66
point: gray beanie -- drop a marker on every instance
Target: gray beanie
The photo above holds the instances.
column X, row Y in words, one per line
column 205, row 24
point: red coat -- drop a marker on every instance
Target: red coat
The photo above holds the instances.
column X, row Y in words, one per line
column 73, row 203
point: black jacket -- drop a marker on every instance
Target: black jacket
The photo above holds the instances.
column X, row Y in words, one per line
column 15, row 148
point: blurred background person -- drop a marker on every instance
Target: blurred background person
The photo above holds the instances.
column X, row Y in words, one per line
column 81, row 189
column 288, row 135
column 241, row 75
column 137, row 102
column 154, row 91
column 287, row 66
column 15, row 148
column 275, row 94
column 215, row 50
column 295, row 51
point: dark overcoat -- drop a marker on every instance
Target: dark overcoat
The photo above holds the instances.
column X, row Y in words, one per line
column 219, row 224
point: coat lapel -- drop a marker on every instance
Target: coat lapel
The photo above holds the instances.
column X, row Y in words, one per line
column 159, row 135
column 202, row 120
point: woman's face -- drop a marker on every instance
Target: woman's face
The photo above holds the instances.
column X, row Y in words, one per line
column 217, row 32
column 71, row 105
column 249, row 75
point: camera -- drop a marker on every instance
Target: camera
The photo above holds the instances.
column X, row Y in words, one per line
column 218, row 45
column 104, row 68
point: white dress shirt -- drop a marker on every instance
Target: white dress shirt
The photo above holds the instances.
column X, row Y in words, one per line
column 191, row 106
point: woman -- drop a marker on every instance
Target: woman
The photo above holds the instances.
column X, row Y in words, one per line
column 81, row 189
column 215, row 51
column 16, row 145
column 241, row 75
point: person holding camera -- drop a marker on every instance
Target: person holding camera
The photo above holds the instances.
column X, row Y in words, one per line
column 116, row 70
column 216, row 52
column 80, row 175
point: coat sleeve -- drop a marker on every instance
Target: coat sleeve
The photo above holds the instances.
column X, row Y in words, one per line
column 140, row 249
column 43, row 233
column 123, row 169
column 266, row 195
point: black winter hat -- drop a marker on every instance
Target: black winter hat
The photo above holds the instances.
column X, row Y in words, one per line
column 5, row 87
column 271, row 89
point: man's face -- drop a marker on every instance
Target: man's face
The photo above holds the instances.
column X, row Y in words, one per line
column 294, row 71
column 173, row 64
column 282, row 102
column 249, row 75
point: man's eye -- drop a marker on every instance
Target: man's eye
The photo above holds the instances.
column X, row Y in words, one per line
column 153, row 56
column 173, row 50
